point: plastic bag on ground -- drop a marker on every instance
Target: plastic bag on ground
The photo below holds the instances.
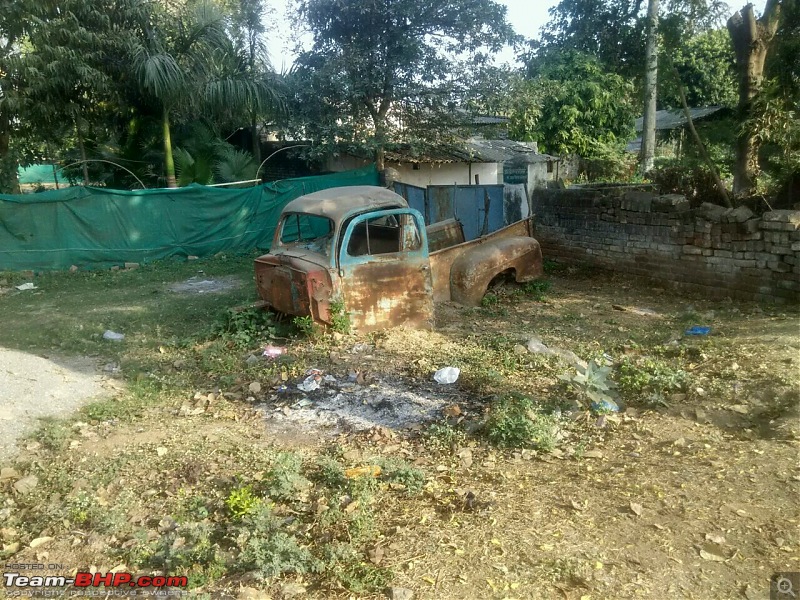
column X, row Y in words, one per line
column 447, row 375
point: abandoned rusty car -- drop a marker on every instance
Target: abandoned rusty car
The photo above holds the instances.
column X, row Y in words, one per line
column 363, row 247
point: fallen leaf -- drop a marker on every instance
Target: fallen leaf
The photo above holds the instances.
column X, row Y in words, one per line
column 356, row 472
column 593, row 454
column 740, row 408
column 40, row 541
column 576, row 505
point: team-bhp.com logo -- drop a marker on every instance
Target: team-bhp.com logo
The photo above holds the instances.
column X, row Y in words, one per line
column 92, row 580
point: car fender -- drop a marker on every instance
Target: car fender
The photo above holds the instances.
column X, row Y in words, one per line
column 472, row 272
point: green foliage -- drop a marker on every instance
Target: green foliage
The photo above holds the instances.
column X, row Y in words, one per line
column 401, row 473
column 648, row 380
column 352, row 572
column 592, row 385
column 706, row 66
column 580, row 107
column 515, row 422
column 284, row 479
column 536, row 290
column 443, row 437
column 242, row 502
column 490, row 299
column 246, row 328
column 371, row 59
column 307, row 326
column 340, row 320
column 269, row 550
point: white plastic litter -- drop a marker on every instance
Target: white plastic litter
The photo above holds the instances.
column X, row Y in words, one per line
column 26, row 286
column 113, row 336
column 447, row 375
column 309, row 384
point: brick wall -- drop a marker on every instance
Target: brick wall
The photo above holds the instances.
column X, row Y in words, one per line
column 717, row 251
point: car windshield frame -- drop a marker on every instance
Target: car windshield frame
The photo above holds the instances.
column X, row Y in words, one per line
column 320, row 244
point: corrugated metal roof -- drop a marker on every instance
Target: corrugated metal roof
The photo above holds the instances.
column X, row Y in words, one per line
column 673, row 119
column 475, row 150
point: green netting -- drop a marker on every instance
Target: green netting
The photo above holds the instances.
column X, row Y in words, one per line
column 97, row 227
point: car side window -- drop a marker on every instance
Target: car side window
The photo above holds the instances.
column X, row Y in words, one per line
column 384, row 235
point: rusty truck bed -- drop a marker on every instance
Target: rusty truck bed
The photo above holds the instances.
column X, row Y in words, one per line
column 442, row 260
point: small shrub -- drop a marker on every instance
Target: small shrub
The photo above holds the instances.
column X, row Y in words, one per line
column 593, row 386
column 307, row 326
column 246, row 328
column 398, row 471
column 348, row 567
column 268, row 550
column 649, row 380
column 443, row 437
column 489, row 300
column 340, row 320
column 241, row 502
column 514, row 422
column 536, row 290
column 284, row 479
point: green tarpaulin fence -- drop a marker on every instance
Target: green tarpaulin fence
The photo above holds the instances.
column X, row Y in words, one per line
column 98, row 227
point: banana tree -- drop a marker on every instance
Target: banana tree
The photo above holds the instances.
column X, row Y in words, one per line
column 184, row 63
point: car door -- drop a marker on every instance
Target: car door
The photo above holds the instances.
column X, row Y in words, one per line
column 385, row 270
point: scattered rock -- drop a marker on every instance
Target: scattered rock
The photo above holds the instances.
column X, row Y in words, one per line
column 113, row 336
column 399, row 593
column 292, row 590
column 8, row 473
column 26, row 484
column 248, row 593
column 520, row 349
column 73, row 269
column 636, row 509
column 739, row 214
column 192, row 257
column 131, row 266
column 41, row 541
column 254, row 387
column 252, row 360
column 712, row 212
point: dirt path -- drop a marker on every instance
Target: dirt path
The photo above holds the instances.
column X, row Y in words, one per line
column 32, row 387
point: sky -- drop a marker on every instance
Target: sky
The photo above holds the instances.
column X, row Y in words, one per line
column 527, row 17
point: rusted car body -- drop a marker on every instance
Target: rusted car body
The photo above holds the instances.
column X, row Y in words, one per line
column 364, row 251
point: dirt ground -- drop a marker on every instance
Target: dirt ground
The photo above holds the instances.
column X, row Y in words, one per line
column 692, row 494
column 34, row 387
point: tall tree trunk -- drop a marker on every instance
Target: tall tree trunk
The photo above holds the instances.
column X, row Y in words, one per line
column 751, row 39
column 169, row 162
column 650, row 89
column 82, row 147
column 9, row 180
column 700, row 145
column 255, row 139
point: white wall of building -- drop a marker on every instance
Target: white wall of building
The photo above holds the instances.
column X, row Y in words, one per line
column 430, row 174
column 449, row 173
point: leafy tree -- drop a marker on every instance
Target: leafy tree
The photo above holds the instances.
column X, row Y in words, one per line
column 188, row 62
column 705, row 64
column 379, row 69
column 583, row 109
column 751, row 39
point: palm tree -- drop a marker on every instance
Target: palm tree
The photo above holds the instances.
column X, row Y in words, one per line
column 189, row 61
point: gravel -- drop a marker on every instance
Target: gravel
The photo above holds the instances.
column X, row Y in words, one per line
column 32, row 387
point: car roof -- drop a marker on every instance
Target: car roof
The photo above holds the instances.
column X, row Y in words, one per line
column 336, row 203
